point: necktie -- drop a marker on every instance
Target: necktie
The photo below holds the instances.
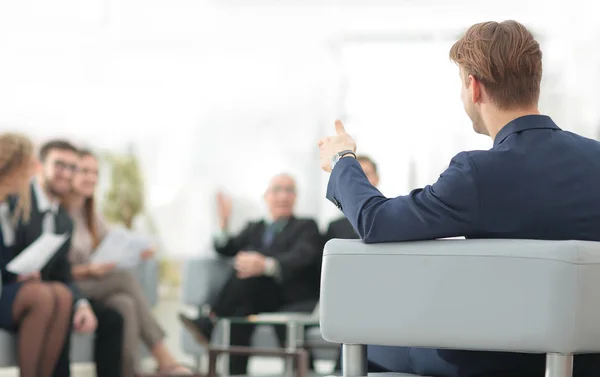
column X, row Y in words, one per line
column 6, row 226
column 48, row 221
column 269, row 234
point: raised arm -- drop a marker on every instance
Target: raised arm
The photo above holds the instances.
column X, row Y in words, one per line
column 448, row 208
column 228, row 245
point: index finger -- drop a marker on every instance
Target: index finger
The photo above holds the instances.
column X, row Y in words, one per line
column 339, row 128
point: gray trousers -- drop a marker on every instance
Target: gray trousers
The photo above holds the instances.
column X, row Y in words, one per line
column 121, row 291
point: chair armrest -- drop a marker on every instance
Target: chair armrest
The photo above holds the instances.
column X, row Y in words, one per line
column 204, row 278
column 496, row 295
column 147, row 274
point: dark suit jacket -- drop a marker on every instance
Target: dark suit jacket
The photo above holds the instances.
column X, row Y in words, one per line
column 59, row 267
column 536, row 182
column 341, row 228
column 298, row 248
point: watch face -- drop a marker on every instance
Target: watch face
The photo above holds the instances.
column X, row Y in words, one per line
column 334, row 160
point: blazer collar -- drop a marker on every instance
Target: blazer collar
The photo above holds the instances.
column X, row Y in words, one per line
column 269, row 220
column 524, row 123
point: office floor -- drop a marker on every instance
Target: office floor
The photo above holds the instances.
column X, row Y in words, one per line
column 166, row 312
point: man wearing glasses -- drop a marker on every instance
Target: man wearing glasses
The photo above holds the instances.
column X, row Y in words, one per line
column 58, row 160
column 276, row 267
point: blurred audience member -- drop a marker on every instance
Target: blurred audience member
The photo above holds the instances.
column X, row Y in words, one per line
column 342, row 228
column 58, row 164
column 277, row 267
column 39, row 312
column 117, row 289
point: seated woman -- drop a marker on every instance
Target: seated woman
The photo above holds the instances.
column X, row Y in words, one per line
column 116, row 288
column 40, row 313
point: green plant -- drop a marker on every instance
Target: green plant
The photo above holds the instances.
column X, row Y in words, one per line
column 124, row 199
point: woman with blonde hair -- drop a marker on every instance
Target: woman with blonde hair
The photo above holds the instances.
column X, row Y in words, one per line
column 101, row 281
column 39, row 312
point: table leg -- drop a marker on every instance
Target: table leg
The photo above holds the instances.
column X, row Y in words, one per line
column 292, row 345
column 226, row 340
column 212, row 364
column 302, row 363
column 198, row 363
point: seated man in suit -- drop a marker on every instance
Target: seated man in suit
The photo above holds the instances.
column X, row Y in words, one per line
column 341, row 228
column 277, row 266
column 536, row 182
column 58, row 162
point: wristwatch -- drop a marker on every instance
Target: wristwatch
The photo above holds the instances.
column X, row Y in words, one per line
column 338, row 156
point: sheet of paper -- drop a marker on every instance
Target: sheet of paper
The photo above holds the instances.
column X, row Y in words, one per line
column 111, row 247
column 122, row 247
column 36, row 255
column 129, row 261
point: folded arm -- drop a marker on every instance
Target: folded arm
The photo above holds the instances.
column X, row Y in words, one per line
column 448, row 208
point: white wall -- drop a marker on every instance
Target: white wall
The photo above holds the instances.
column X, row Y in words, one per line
column 224, row 95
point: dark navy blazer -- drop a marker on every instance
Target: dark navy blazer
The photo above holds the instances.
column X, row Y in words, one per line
column 536, row 182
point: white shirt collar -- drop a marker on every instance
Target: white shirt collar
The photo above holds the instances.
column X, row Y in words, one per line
column 43, row 203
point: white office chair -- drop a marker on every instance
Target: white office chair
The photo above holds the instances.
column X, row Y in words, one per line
column 489, row 295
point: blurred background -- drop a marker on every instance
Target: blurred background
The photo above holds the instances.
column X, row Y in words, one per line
column 222, row 94
column 205, row 95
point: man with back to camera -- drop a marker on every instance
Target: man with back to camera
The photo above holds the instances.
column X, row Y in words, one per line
column 58, row 160
column 536, row 182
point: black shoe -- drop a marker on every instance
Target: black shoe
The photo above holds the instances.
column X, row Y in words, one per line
column 201, row 328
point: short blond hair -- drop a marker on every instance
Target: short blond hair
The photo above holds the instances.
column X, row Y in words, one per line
column 507, row 60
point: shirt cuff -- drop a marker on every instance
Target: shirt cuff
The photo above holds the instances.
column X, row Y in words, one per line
column 272, row 269
column 221, row 238
column 81, row 302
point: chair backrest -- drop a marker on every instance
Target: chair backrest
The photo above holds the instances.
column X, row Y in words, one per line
column 204, row 278
column 316, row 312
column 509, row 295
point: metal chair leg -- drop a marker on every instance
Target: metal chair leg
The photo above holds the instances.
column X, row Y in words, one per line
column 354, row 360
column 558, row 365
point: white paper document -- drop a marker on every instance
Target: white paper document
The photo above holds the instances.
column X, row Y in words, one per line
column 36, row 255
column 121, row 247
